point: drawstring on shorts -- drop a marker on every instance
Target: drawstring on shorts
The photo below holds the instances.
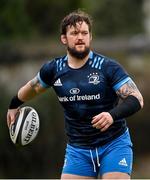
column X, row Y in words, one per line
column 97, row 157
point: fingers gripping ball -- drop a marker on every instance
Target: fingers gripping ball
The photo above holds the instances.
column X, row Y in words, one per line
column 26, row 126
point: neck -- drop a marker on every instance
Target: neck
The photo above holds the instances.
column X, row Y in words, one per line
column 75, row 62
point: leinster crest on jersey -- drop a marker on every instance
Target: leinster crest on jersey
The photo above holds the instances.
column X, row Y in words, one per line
column 94, row 78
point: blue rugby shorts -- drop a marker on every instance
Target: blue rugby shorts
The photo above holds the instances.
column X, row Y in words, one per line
column 115, row 156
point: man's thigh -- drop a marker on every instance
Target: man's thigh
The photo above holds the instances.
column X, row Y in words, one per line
column 118, row 157
column 72, row 176
column 78, row 162
column 115, row 175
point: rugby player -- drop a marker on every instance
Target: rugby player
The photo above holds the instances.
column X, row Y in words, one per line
column 89, row 86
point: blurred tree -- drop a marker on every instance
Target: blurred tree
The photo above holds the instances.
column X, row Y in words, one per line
column 14, row 20
column 118, row 17
column 19, row 18
column 46, row 15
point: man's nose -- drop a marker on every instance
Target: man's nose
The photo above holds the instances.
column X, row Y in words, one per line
column 80, row 36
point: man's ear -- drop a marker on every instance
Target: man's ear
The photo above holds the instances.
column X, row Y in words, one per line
column 63, row 39
column 91, row 37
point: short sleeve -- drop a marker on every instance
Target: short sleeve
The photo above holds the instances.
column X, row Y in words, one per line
column 46, row 74
column 116, row 74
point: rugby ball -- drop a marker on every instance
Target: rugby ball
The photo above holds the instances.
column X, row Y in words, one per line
column 26, row 126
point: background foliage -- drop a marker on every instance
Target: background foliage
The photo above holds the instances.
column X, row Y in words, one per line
column 42, row 17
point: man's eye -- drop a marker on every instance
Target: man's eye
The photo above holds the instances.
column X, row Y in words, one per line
column 74, row 33
column 84, row 33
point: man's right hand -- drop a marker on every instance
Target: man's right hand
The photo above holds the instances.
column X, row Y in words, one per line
column 11, row 115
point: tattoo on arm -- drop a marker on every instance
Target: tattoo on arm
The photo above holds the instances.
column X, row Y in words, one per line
column 34, row 82
column 127, row 89
column 130, row 88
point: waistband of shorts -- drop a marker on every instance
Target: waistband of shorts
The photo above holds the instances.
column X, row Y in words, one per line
column 124, row 131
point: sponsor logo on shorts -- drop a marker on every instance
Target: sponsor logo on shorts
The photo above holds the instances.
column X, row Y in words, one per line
column 123, row 162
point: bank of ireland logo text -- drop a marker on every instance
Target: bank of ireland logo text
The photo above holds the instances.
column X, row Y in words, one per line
column 94, row 78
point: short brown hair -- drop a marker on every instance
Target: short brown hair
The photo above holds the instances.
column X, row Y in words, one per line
column 74, row 17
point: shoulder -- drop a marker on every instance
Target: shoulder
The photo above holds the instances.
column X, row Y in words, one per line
column 55, row 63
column 104, row 61
column 107, row 60
column 111, row 69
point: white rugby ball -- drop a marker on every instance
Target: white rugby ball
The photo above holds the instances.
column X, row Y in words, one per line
column 26, row 126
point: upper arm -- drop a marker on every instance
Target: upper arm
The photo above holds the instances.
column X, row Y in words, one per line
column 30, row 90
column 36, row 86
column 121, row 82
column 39, row 83
column 130, row 88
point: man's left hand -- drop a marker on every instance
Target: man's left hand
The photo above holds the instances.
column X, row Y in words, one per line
column 102, row 121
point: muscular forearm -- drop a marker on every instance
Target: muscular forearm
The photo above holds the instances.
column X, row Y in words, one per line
column 128, row 107
column 132, row 101
column 26, row 93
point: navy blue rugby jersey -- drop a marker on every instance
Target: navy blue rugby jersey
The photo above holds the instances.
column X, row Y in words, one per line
column 84, row 93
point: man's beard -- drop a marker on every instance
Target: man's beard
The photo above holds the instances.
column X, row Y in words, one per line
column 77, row 54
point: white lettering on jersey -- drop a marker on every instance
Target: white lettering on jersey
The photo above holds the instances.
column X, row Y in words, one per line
column 79, row 98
